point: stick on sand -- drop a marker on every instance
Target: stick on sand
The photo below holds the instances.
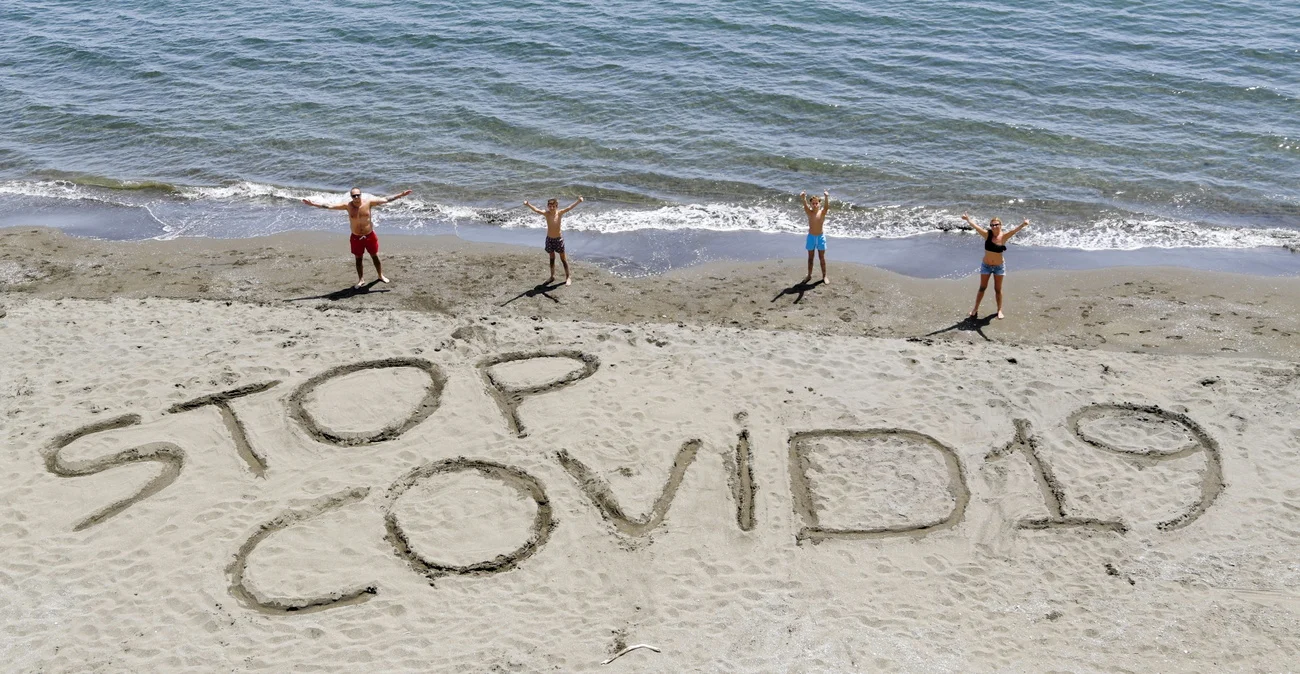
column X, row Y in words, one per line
column 629, row 649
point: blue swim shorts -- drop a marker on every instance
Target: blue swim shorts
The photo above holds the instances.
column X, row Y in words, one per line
column 996, row 270
column 816, row 242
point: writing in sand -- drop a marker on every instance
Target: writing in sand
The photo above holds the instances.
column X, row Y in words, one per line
column 807, row 473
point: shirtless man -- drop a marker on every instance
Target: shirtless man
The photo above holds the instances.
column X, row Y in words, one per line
column 554, row 241
column 364, row 238
column 816, row 240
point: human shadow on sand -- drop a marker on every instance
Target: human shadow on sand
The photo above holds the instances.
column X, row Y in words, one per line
column 350, row 291
column 969, row 324
column 797, row 289
column 542, row 289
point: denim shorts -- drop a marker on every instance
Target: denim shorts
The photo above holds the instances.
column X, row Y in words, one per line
column 998, row 270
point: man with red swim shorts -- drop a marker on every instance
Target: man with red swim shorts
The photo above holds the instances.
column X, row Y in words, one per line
column 364, row 239
column 365, row 244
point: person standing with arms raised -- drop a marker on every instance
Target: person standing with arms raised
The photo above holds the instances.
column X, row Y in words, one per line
column 816, row 212
column 993, row 264
column 554, row 237
column 363, row 239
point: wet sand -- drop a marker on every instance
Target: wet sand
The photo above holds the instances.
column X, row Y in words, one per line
column 1141, row 309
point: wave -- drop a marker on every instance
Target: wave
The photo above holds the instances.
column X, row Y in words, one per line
column 127, row 194
column 1104, row 232
column 1100, row 230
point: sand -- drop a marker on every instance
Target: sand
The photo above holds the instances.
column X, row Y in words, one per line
column 1145, row 309
column 425, row 480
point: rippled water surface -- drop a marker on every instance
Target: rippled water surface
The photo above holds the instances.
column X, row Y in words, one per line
column 1113, row 125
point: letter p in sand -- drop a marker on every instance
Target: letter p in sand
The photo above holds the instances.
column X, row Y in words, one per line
column 509, row 397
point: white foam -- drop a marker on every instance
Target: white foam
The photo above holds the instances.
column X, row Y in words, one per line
column 1131, row 234
column 1107, row 232
column 243, row 191
column 895, row 222
column 890, row 222
column 713, row 217
column 50, row 189
column 66, row 190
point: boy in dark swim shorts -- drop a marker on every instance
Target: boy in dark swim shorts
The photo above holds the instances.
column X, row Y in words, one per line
column 554, row 240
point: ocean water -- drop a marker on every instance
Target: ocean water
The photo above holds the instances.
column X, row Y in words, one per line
column 1112, row 125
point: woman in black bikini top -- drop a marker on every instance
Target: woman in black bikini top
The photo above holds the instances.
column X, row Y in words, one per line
column 995, row 244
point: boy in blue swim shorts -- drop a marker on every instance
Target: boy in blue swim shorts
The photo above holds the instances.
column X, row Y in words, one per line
column 816, row 243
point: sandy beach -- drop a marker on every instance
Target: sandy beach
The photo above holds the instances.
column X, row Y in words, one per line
column 1144, row 309
column 219, row 458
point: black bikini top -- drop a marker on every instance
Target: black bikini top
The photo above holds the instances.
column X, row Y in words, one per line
column 993, row 247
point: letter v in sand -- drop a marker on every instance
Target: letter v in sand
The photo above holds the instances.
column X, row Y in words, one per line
column 741, row 482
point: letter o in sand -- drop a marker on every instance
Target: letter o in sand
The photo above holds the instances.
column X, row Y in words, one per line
column 425, row 407
column 526, row 485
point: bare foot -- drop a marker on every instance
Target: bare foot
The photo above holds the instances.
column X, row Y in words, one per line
column 974, row 313
column 1000, row 315
column 806, row 279
column 360, row 283
column 826, row 280
column 568, row 281
column 384, row 279
column 549, row 281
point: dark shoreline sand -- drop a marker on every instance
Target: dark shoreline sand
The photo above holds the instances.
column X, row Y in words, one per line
column 1144, row 309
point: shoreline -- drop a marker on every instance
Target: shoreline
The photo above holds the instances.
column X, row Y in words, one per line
column 640, row 242
column 948, row 254
column 1138, row 309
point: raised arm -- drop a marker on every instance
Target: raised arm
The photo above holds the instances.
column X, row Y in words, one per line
column 335, row 207
column 1017, row 229
column 806, row 207
column 981, row 230
column 571, row 206
column 826, row 201
column 380, row 201
column 535, row 209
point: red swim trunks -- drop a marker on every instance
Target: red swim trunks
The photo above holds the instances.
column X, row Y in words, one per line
column 363, row 244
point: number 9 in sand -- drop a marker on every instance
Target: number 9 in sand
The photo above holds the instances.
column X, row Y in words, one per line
column 1211, row 476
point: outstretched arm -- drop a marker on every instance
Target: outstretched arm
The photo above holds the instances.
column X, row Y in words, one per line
column 1017, row 229
column 981, row 230
column 535, row 209
column 380, row 201
column 571, row 206
column 335, row 207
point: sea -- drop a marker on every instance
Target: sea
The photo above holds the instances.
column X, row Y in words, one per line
column 1127, row 132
